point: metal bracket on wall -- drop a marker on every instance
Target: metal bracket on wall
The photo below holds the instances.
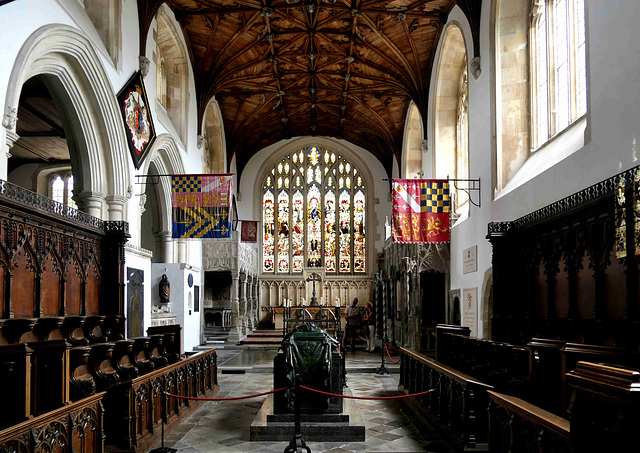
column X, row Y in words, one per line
column 471, row 185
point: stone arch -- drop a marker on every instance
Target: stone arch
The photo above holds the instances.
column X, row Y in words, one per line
column 510, row 27
column 173, row 73
column 97, row 143
column 412, row 146
column 487, row 303
column 164, row 159
column 451, row 69
column 341, row 149
column 214, row 139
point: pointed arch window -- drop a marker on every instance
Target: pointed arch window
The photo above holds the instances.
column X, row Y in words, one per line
column 559, row 67
column 61, row 189
column 314, row 214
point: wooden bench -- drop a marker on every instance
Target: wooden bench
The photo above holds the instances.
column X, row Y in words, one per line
column 516, row 425
column 458, row 403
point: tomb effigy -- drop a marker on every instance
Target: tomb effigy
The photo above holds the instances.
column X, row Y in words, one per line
column 312, row 355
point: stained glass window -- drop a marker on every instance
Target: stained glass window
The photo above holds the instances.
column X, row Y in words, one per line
column 268, row 243
column 319, row 216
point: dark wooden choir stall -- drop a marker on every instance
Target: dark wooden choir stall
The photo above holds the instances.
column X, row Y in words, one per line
column 561, row 372
column 71, row 378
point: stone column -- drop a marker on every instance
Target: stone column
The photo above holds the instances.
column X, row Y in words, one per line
column 250, row 303
column 243, row 303
column 234, row 332
column 165, row 246
column 182, row 250
column 91, row 203
column 10, row 137
column 117, row 207
column 256, row 297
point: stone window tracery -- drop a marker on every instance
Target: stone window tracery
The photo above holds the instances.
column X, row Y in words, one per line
column 314, row 207
column 558, row 54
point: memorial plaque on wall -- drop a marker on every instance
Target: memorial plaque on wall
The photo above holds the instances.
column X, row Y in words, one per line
column 196, row 298
column 135, row 302
column 470, row 260
column 470, row 309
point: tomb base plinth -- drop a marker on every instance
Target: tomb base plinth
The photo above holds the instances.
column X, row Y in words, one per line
column 345, row 427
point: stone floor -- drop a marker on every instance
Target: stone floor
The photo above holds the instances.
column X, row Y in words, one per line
column 391, row 425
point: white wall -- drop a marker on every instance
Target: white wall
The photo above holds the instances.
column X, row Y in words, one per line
column 179, row 297
column 613, row 125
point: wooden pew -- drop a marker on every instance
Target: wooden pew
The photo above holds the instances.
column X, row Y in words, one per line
column 101, row 365
column 77, row 427
column 545, row 374
column 123, row 360
column 518, row 426
column 442, row 345
column 172, row 339
column 15, row 370
column 458, row 403
column 81, row 380
column 135, row 406
column 49, row 328
column 604, row 409
column 50, row 375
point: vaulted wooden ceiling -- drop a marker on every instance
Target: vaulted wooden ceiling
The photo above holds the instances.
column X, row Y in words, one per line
column 337, row 68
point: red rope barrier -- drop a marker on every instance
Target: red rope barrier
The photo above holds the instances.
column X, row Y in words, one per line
column 393, row 347
column 228, row 399
column 367, row 397
column 389, row 355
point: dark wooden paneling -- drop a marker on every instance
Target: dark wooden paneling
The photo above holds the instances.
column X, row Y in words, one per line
column 23, row 293
column 78, row 424
column 92, row 290
column 50, row 288
column 135, row 406
column 555, row 273
column 73, row 292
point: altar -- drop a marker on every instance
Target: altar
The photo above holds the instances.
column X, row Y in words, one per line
column 277, row 314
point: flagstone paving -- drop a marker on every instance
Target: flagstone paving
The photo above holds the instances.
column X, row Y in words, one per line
column 390, row 425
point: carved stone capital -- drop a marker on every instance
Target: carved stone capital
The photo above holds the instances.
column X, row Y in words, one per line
column 424, row 146
column 10, row 118
column 201, row 142
column 474, row 66
column 144, row 63
column 10, row 139
column 143, row 201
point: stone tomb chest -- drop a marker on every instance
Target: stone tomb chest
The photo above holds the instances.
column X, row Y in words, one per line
column 313, row 353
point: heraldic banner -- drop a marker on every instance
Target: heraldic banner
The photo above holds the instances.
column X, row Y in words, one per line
column 249, row 232
column 421, row 210
column 201, row 206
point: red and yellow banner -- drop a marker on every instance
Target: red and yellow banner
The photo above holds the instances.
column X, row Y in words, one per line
column 421, row 210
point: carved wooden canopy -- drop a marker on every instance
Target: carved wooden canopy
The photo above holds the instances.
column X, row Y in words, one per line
column 337, row 68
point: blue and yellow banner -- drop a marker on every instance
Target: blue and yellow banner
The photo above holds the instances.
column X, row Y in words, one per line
column 201, row 206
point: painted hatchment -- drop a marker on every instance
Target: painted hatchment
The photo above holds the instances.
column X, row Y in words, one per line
column 470, row 310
